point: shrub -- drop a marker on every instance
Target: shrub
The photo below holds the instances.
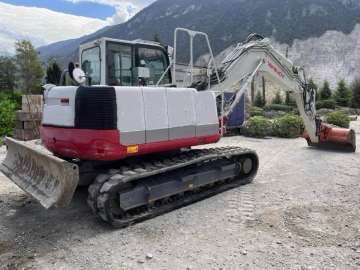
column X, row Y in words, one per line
column 258, row 127
column 259, row 100
column 338, row 118
column 256, row 111
column 326, row 104
column 323, row 112
column 278, row 107
column 274, row 114
column 7, row 117
column 9, row 103
column 277, row 99
column 288, row 126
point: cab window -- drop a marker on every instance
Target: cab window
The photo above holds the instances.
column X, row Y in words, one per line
column 90, row 64
column 119, row 65
column 156, row 61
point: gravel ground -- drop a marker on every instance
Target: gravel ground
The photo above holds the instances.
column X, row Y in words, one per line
column 302, row 212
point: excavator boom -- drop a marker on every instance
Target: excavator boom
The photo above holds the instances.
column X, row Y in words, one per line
column 257, row 57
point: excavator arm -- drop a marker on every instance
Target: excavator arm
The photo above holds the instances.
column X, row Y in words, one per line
column 258, row 57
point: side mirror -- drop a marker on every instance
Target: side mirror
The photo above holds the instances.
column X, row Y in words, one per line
column 170, row 51
column 78, row 75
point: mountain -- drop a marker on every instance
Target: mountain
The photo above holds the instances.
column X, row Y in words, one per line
column 227, row 22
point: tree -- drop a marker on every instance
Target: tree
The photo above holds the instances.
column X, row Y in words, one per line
column 313, row 85
column 7, row 73
column 30, row 72
column 277, row 99
column 259, row 100
column 325, row 91
column 342, row 94
column 53, row 72
column 355, row 88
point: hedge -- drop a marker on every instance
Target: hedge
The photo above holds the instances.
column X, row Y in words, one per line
column 338, row 118
column 256, row 111
column 326, row 104
column 288, row 126
column 257, row 126
column 278, row 107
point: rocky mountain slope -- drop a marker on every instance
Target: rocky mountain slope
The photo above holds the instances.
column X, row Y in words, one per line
column 296, row 23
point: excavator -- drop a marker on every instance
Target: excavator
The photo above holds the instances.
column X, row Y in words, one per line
column 128, row 131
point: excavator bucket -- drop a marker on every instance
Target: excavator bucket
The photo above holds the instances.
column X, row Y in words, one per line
column 50, row 180
column 334, row 138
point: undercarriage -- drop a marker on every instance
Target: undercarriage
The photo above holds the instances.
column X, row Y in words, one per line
column 136, row 192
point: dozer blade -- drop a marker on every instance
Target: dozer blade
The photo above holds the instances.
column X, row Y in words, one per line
column 50, row 180
column 332, row 137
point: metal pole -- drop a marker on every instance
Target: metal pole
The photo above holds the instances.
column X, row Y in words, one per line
column 175, row 54
column 191, row 56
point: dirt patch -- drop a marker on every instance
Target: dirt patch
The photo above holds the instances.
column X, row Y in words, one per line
column 4, row 247
column 320, row 225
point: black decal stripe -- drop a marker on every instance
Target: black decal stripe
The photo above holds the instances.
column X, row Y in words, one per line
column 95, row 108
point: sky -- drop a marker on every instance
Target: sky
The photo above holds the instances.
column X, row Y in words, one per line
column 47, row 21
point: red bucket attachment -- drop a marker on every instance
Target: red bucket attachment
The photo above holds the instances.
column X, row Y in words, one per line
column 335, row 137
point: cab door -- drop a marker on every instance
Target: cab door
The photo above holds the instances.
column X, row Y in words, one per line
column 119, row 63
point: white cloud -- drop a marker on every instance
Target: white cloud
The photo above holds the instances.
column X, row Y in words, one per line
column 41, row 26
column 125, row 9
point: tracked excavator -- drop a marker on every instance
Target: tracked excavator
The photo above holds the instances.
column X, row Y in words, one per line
column 127, row 131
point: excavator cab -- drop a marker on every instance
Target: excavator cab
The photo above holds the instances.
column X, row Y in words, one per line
column 115, row 62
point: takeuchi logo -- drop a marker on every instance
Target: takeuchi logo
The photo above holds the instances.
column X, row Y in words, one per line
column 276, row 69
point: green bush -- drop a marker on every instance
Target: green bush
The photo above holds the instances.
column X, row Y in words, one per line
column 338, row 118
column 278, row 107
column 256, row 111
column 9, row 104
column 288, row 126
column 7, row 117
column 326, row 104
column 258, row 127
column 12, row 96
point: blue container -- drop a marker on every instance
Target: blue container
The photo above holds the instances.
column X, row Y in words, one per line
column 237, row 117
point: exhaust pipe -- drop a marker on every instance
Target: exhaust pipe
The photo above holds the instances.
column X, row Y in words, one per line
column 50, row 180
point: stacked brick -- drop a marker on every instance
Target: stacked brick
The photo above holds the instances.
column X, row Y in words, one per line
column 28, row 120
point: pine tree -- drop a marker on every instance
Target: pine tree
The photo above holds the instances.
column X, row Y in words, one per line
column 53, row 72
column 259, row 100
column 325, row 91
column 342, row 94
column 29, row 68
column 355, row 88
column 277, row 99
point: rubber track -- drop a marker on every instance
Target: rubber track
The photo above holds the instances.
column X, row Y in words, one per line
column 112, row 182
